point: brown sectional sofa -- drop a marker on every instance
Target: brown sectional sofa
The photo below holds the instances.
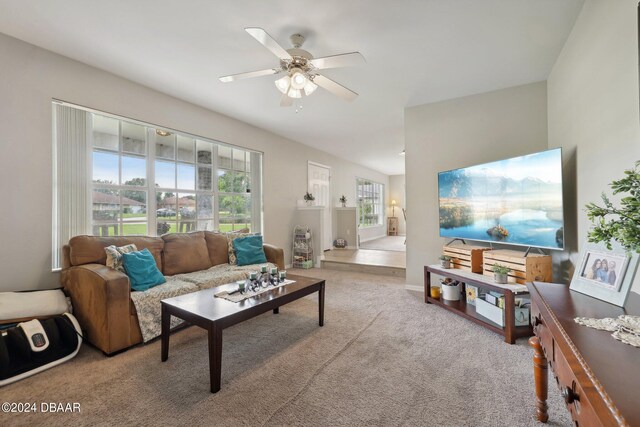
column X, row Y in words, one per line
column 101, row 296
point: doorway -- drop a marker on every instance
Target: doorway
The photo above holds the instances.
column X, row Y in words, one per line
column 319, row 184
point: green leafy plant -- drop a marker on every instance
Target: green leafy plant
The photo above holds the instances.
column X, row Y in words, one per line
column 343, row 199
column 444, row 258
column 308, row 196
column 618, row 223
column 500, row 269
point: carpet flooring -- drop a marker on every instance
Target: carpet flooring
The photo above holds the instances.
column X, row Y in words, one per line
column 386, row 243
column 383, row 358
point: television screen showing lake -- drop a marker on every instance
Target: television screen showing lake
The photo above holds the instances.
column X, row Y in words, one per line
column 515, row 201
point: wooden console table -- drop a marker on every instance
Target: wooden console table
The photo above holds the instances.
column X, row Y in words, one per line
column 598, row 375
column 510, row 331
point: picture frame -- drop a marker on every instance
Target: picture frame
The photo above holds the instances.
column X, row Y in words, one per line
column 605, row 274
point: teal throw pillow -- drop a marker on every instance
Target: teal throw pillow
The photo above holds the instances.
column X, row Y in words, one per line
column 141, row 268
column 249, row 250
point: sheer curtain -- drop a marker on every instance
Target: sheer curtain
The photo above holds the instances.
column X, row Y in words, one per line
column 71, row 176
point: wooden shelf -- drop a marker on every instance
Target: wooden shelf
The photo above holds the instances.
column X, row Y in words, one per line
column 476, row 279
column 467, row 311
column 510, row 331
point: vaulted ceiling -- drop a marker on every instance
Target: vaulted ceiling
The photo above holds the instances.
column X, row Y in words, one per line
column 417, row 52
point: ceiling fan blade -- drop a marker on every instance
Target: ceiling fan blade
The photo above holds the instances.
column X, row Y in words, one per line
column 267, row 41
column 234, row 77
column 335, row 61
column 335, row 88
column 286, row 101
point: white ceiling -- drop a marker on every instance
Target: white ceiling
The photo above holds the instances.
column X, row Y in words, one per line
column 417, row 52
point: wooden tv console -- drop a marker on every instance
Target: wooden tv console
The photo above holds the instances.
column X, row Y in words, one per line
column 510, row 331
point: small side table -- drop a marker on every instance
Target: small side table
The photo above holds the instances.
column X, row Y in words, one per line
column 392, row 226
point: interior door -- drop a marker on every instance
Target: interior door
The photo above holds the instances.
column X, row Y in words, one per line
column 320, row 187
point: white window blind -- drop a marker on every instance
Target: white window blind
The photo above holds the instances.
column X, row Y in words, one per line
column 71, row 177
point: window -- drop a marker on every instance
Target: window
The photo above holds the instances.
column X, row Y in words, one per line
column 119, row 164
column 196, row 185
column 370, row 197
column 115, row 176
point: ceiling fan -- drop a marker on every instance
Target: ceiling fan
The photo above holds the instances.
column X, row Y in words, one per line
column 301, row 69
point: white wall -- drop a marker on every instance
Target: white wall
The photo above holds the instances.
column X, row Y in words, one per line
column 593, row 107
column 30, row 77
column 397, row 193
column 457, row 133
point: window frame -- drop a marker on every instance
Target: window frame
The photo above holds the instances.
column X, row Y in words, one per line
column 253, row 215
column 377, row 195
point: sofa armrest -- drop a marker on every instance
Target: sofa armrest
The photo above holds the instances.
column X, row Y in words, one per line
column 274, row 255
column 101, row 302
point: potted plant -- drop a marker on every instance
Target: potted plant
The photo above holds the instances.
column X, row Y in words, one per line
column 618, row 223
column 445, row 261
column 343, row 200
column 308, row 197
column 450, row 289
column 500, row 273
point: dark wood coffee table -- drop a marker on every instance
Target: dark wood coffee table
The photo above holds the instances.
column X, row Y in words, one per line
column 215, row 314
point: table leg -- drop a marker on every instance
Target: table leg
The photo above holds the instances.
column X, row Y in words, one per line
column 509, row 317
column 321, row 305
column 276, row 310
column 166, row 323
column 215, row 357
column 427, row 285
column 541, row 377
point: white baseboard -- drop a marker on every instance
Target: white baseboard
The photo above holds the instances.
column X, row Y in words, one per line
column 414, row 288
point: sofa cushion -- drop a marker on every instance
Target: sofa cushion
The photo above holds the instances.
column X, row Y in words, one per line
column 90, row 249
column 218, row 247
column 142, row 270
column 233, row 259
column 249, row 250
column 114, row 255
column 184, row 253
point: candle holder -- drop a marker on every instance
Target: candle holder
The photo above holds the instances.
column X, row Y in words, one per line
column 282, row 276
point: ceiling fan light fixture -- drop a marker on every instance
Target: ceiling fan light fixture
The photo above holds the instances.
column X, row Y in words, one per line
column 310, row 87
column 294, row 93
column 298, row 80
column 283, row 84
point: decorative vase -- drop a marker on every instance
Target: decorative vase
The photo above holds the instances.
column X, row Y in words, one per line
column 500, row 278
column 344, row 204
column 309, row 202
column 450, row 293
column 445, row 263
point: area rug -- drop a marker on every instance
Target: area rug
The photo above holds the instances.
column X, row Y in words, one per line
column 383, row 358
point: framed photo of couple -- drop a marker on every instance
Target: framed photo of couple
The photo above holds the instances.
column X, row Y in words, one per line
column 605, row 274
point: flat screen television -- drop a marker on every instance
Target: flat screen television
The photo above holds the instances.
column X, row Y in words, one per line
column 516, row 201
